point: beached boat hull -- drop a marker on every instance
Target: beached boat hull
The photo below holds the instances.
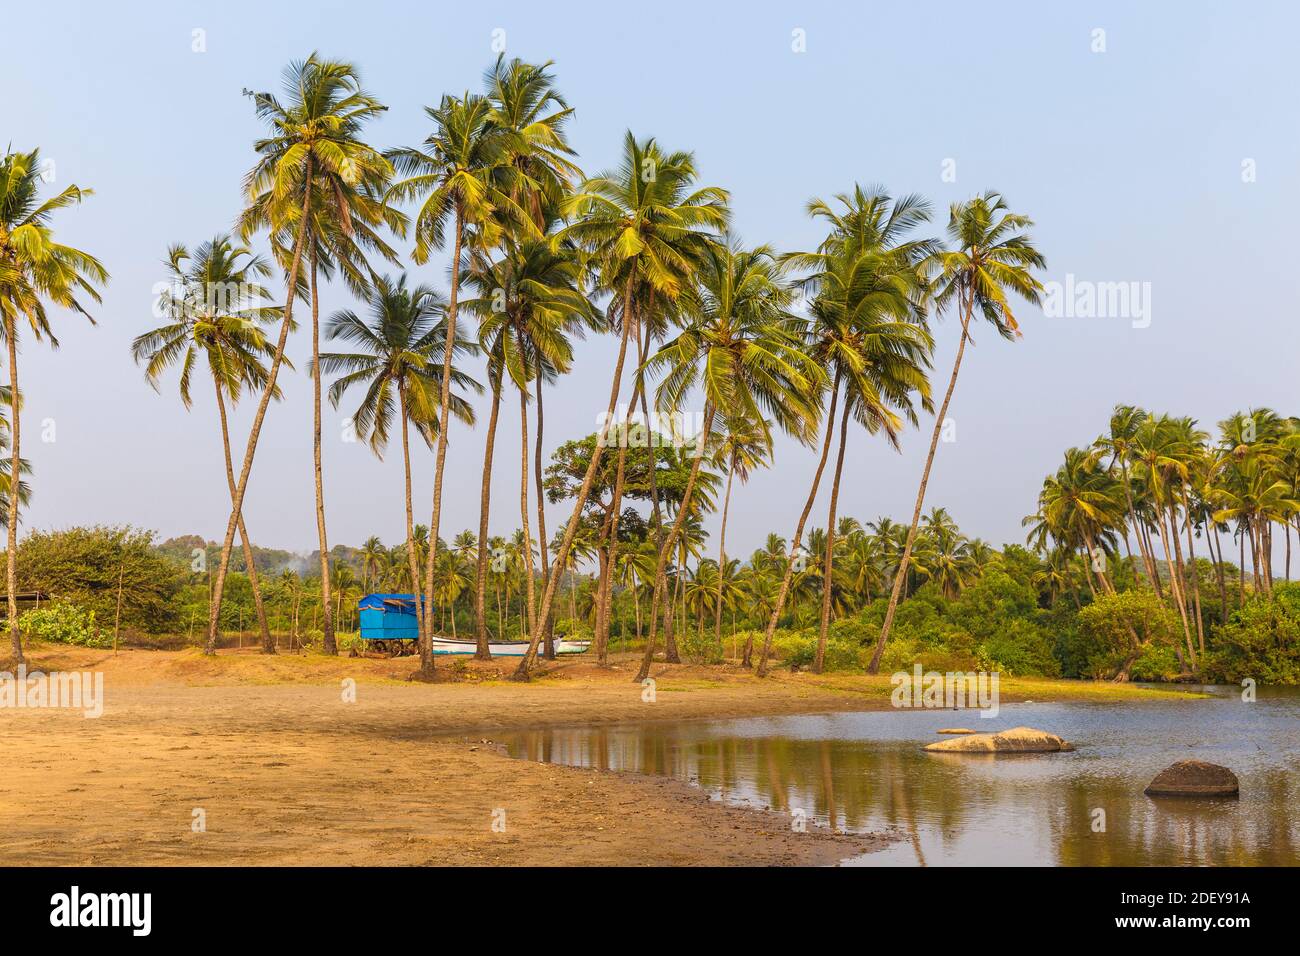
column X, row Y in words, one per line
column 446, row 645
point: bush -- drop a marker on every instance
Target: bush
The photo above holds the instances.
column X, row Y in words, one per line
column 84, row 566
column 849, row 644
column 1125, row 628
column 1020, row 647
column 994, row 624
column 62, row 623
column 1261, row 640
column 699, row 648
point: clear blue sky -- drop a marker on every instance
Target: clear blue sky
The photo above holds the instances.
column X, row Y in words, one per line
column 1129, row 160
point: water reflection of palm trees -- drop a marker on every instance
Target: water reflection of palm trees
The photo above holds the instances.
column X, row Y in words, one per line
column 958, row 810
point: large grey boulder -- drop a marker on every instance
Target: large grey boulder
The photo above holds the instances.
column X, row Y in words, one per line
column 1194, row 778
column 1017, row 740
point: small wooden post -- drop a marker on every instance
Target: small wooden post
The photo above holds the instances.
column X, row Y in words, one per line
column 117, row 617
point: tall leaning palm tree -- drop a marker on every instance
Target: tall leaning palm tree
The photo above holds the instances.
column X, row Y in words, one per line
column 744, row 351
column 452, row 176
column 526, row 301
column 538, row 175
column 214, row 314
column 398, row 353
column 34, row 270
column 746, row 446
column 992, row 258
column 866, row 329
column 640, row 225
column 313, row 158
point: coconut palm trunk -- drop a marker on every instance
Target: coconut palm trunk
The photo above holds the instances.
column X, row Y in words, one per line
column 722, row 557
column 784, row 591
column 828, row 564
column 439, row 468
column 268, row 643
column 901, row 575
column 327, row 606
column 548, row 646
column 15, row 465
column 673, row 536
column 255, row 432
column 530, row 594
column 1148, row 559
column 482, row 651
column 1175, row 579
column 1195, row 576
column 1097, row 567
column 1213, row 542
column 412, row 549
column 605, row 586
column 661, row 580
column 584, row 492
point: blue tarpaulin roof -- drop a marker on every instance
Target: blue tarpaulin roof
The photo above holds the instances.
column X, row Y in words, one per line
column 392, row 603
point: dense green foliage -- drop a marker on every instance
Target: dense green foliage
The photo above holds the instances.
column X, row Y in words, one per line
column 63, row 623
column 83, row 567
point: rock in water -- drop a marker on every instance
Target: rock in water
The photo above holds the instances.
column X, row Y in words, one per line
column 954, row 730
column 1017, row 740
column 1194, row 778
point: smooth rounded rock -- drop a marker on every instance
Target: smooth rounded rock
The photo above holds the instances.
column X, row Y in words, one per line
column 1017, row 740
column 1194, row 778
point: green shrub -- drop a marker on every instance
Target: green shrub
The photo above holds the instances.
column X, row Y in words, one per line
column 1261, row 640
column 699, row 648
column 1019, row 648
column 62, row 623
column 1124, row 628
column 86, row 567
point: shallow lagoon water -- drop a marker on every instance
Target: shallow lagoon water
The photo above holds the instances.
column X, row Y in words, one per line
column 865, row 771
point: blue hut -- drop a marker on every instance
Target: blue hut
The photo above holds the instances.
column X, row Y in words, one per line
column 389, row 617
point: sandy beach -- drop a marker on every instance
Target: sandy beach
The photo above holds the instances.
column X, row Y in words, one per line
column 281, row 767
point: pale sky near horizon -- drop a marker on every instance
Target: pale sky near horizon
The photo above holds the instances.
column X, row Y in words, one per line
column 1172, row 158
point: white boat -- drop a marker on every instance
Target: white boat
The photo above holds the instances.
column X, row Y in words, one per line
column 450, row 645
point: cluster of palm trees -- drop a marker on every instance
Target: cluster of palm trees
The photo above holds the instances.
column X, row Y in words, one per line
column 800, row 343
column 1161, row 484
column 701, row 599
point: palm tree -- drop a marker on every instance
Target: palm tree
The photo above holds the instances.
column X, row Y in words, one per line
column 746, row 446
column 6, row 464
column 1124, row 423
column 399, row 352
column 526, row 300
column 1160, row 455
column 33, row 269
column 743, row 350
column 213, row 314
column 526, row 106
column 641, row 226
column 991, row 259
column 372, row 556
column 342, row 229
column 538, row 175
column 867, row 328
column 453, row 176
column 313, row 157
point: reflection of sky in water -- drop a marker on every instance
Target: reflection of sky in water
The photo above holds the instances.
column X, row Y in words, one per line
column 865, row 771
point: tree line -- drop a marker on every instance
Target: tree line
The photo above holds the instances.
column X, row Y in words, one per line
column 755, row 340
